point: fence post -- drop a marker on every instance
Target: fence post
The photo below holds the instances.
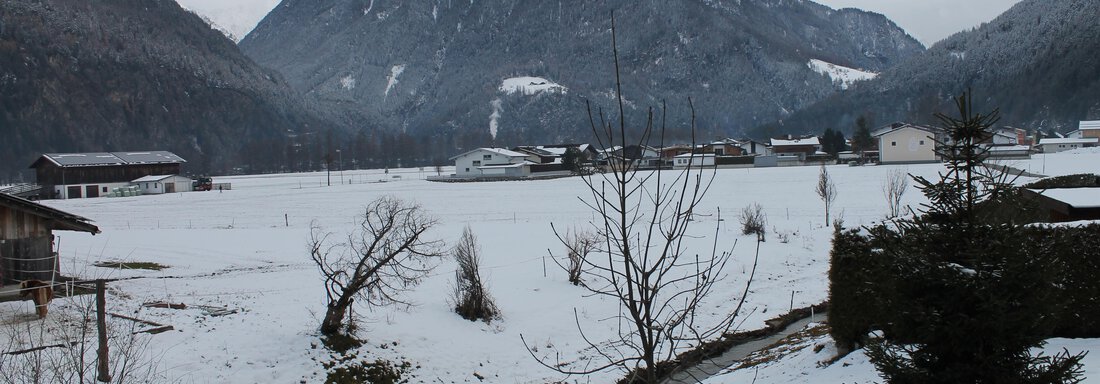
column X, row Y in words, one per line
column 101, row 323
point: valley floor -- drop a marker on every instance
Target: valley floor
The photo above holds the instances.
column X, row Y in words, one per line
column 245, row 250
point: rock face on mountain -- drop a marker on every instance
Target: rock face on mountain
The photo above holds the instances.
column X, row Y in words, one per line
column 1036, row 62
column 119, row 75
column 463, row 72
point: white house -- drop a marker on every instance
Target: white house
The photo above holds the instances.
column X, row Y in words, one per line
column 493, row 162
column 1060, row 144
column 906, row 143
column 696, row 160
column 159, row 184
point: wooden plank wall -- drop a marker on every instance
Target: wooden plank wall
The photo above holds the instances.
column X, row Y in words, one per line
column 27, row 259
column 16, row 224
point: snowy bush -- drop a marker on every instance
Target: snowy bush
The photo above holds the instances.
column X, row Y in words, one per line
column 754, row 221
column 472, row 300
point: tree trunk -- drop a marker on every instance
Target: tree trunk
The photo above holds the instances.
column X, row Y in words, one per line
column 334, row 317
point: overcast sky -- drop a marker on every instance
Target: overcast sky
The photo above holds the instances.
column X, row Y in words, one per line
column 931, row 20
column 927, row 20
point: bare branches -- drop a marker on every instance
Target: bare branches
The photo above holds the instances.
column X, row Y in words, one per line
column 897, row 182
column 642, row 221
column 383, row 258
column 578, row 244
column 754, row 221
column 472, row 300
column 826, row 190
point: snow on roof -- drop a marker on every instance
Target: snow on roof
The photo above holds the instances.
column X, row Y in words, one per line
column 899, row 126
column 150, row 157
column 91, row 159
column 807, row 141
column 1076, row 197
column 152, row 178
column 841, row 75
column 529, row 85
column 499, row 151
column 1087, row 140
column 1009, row 148
column 1089, row 125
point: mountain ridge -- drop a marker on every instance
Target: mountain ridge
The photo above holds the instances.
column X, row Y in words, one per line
column 1032, row 62
column 433, row 70
column 121, row 75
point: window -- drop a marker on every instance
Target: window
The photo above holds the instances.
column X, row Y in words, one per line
column 104, row 189
column 467, row 169
column 487, row 157
column 893, row 143
column 477, row 163
column 922, row 142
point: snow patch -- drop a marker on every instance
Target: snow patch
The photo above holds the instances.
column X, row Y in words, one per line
column 959, row 55
column 530, row 86
column 391, row 80
column 495, row 116
column 347, row 82
column 842, row 76
column 369, row 6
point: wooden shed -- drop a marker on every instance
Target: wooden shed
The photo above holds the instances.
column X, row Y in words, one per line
column 27, row 241
column 1068, row 204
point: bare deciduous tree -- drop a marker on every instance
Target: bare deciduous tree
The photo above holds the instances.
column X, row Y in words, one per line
column 826, row 190
column 578, row 244
column 897, row 182
column 642, row 221
column 384, row 257
column 472, row 300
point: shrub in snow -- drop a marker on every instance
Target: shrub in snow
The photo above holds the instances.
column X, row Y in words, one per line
column 754, row 221
column 578, row 244
column 472, row 300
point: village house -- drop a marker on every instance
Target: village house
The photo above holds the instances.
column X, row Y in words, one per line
column 1048, row 145
column 1086, row 129
column 641, row 156
column 27, row 240
column 753, row 147
column 902, row 143
column 494, row 162
column 723, row 148
column 77, row 175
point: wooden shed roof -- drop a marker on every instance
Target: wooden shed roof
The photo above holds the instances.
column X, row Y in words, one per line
column 62, row 220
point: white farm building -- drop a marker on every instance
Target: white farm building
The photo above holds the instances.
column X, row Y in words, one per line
column 493, row 162
column 160, row 184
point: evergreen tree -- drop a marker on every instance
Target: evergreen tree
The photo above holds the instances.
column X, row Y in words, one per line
column 861, row 138
column 966, row 301
column 832, row 141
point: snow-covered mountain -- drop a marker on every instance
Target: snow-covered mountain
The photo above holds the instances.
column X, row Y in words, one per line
column 435, row 69
column 1036, row 62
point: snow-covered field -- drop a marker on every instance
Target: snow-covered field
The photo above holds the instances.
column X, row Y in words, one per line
column 245, row 249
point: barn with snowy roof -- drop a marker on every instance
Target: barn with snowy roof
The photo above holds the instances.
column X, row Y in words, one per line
column 77, row 175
